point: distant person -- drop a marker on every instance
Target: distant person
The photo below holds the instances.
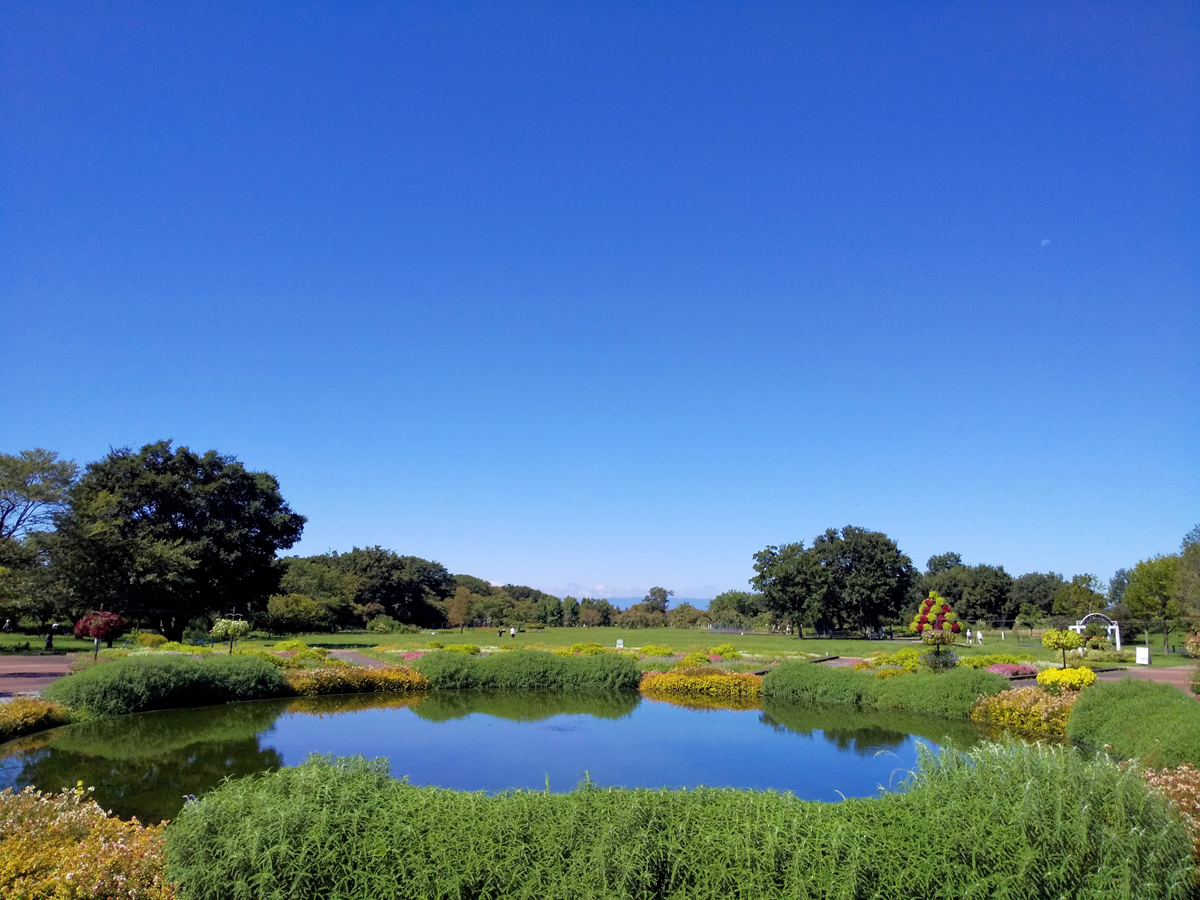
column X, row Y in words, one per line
column 513, row 631
column 979, row 636
column 53, row 630
column 500, row 632
column 968, row 635
column 8, row 626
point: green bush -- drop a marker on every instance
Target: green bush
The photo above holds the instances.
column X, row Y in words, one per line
column 656, row 650
column 1000, row 822
column 1156, row 723
column 148, row 681
column 983, row 660
column 465, row 649
column 383, row 625
column 1111, row 656
column 952, row 693
column 529, row 670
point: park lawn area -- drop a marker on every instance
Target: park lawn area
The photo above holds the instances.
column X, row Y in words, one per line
column 682, row 640
column 62, row 642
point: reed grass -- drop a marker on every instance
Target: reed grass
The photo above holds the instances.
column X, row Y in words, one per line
column 1155, row 723
column 1000, row 822
column 950, row 694
column 530, row 670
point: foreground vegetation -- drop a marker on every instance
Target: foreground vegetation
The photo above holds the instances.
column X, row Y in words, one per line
column 998, row 822
column 1155, row 723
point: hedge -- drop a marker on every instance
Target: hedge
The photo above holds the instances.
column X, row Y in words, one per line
column 529, row 670
column 1156, row 723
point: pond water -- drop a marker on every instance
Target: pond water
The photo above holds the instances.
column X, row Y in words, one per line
column 145, row 764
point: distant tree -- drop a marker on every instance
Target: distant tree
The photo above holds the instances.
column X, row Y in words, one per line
column 294, row 613
column 594, row 613
column 458, row 607
column 1151, row 596
column 656, row 599
column 687, row 616
column 570, row 608
column 33, row 487
column 473, row 584
column 1029, row 616
column 738, row 608
column 334, row 590
column 794, row 586
column 1117, row 585
column 1191, row 539
column 1078, row 597
column 170, row 534
column 524, row 612
column 1187, row 585
column 1037, row 590
column 412, row 590
column 549, row 610
column 943, row 562
column 987, row 595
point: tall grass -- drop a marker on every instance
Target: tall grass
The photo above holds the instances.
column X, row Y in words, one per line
column 530, row 670
column 950, row 694
column 1156, row 723
column 140, row 683
column 1000, row 822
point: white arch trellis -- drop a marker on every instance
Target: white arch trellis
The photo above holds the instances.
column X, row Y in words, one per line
column 1114, row 631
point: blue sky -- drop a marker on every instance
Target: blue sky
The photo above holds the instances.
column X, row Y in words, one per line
column 600, row 296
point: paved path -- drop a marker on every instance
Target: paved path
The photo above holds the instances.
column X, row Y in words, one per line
column 1179, row 676
column 21, row 673
column 353, row 656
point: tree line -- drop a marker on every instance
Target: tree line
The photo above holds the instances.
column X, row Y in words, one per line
column 172, row 539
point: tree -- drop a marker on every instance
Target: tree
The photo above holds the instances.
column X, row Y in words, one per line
column 1152, row 592
column 334, row 591
column 988, row 595
column 793, row 585
column 170, row 534
column 102, row 626
column 33, row 486
column 1191, row 539
column 738, row 608
column 687, row 616
column 570, row 607
column 1187, row 585
column 594, row 613
column 294, row 613
column 943, row 562
column 458, row 608
column 1037, row 590
column 1029, row 616
column 549, row 610
column 230, row 630
column 656, row 599
column 1063, row 640
column 1117, row 585
column 411, row 589
column 1078, row 597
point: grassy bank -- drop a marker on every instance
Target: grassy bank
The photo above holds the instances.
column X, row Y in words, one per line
column 950, row 694
column 999, row 822
column 1156, row 723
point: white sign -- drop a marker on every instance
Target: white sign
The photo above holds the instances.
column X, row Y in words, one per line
column 1142, row 655
column 620, row 644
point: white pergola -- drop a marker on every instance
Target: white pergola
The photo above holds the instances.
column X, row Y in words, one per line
column 1114, row 632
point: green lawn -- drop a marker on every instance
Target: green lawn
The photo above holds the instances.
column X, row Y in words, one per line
column 10, row 642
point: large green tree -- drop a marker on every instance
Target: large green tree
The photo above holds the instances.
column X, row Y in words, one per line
column 1036, row 590
column 738, row 608
column 409, row 588
column 1152, row 595
column 33, row 487
column 165, row 534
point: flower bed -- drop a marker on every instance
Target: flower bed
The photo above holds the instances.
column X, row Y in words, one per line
column 25, row 715
column 1066, row 679
column 1027, row 709
column 356, row 680
column 1011, row 670
column 63, row 846
column 709, row 683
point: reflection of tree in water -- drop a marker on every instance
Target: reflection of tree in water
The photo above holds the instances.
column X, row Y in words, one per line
column 441, row 706
column 868, row 731
column 149, row 787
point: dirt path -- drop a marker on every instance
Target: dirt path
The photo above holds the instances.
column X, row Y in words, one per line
column 22, row 673
column 353, row 656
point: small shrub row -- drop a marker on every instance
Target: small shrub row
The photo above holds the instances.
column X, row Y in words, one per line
column 356, row 680
column 63, row 846
column 1109, row 656
column 708, row 682
column 525, row 670
column 25, row 715
column 149, row 681
column 987, row 660
column 1028, row 709
column 1007, row 823
column 725, row 651
column 1155, row 723
column 1010, row 670
column 1066, row 679
column 661, row 650
column 951, row 694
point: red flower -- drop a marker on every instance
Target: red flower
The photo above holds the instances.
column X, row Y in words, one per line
column 945, row 608
column 956, row 628
column 923, row 618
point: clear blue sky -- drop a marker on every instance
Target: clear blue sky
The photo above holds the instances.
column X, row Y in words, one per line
column 600, row 296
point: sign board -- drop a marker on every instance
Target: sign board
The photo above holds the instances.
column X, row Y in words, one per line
column 620, row 644
column 1142, row 655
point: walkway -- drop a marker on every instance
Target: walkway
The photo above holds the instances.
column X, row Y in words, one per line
column 1179, row 676
column 353, row 656
column 21, row 673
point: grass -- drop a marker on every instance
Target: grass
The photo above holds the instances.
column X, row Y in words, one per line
column 137, row 684
column 529, row 671
column 1155, row 723
column 999, row 822
column 951, row 694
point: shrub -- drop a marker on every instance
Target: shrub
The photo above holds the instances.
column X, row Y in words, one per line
column 692, row 660
column 1180, row 785
column 1156, row 723
column 1110, row 656
column 104, row 626
column 468, row 649
column 1063, row 640
column 383, row 625
column 951, row 694
column 709, row 683
column 1027, row 709
column 725, row 651
column 25, row 715
column 64, row 846
column 1066, row 679
column 435, row 645
column 530, row 670
column 1193, row 645
column 293, row 646
column 1007, row 821
column 356, row 680
column 149, row 639
column 908, row 659
column 145, row 681
column 657, row 650
column 588, row 648
column 987, row 660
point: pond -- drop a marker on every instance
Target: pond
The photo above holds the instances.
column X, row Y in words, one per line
column 145, row 764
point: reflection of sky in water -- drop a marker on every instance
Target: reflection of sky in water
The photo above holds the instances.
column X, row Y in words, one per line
column 144, row 765
column 657, row 745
